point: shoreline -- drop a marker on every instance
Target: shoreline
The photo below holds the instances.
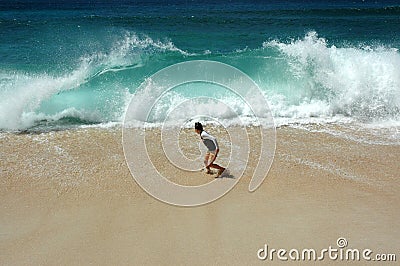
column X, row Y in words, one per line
column 72, row 190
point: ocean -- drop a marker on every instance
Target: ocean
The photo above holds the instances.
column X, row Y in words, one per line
column 67, row 64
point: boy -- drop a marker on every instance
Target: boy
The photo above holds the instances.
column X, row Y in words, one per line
column 212, row 145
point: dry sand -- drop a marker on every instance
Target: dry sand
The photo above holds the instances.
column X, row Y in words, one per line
column 68, row 198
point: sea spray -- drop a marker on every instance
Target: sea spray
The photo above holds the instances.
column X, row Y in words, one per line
column 357, row 82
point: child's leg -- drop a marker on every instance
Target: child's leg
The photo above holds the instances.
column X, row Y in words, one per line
column 206, row 160
column 216, row 166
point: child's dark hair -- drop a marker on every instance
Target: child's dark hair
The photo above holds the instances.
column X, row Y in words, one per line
column 198, row 126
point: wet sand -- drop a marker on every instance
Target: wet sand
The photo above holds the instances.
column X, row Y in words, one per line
column 68, row 197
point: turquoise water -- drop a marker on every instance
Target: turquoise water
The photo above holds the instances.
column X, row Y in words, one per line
column 68, row 63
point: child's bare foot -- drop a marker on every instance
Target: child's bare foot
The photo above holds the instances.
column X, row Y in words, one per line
column 220, row 171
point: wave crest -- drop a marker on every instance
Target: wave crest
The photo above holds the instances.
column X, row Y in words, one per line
column 361, row 82
column 27, row 98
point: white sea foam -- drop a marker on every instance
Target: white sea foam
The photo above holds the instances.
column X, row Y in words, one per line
column 363, row 83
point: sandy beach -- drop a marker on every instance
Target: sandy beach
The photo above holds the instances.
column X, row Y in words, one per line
column 68, row 198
